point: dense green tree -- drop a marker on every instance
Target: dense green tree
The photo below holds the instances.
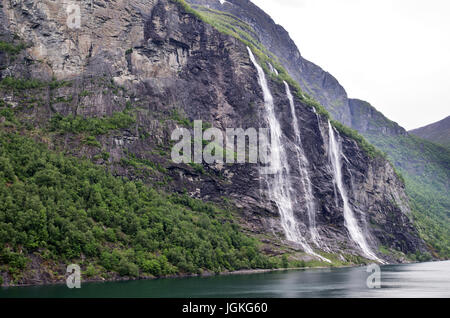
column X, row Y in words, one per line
column 63, row 208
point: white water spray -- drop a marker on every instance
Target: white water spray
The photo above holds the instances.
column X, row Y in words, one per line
column 303, row 165
column 280, row 186
column 273, row 69
column 349, row 217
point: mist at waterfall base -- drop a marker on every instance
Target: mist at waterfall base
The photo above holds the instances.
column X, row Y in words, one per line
column 279, row 181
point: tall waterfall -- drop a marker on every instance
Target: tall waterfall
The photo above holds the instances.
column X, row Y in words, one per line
column 280, row 185
column 349, row 218
column 303, row 165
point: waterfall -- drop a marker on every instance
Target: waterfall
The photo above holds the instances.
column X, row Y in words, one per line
column 280, row 186
column 319, row 124
column 303, row 165
column 349, row 218
column 273, row 69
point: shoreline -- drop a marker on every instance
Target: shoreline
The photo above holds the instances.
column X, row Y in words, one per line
column 181, row 276
column 205, row 275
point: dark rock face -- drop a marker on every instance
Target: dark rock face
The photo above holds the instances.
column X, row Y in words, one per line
column 313, row 79
column 156, row 59
column 321, row 85
column 368, row 121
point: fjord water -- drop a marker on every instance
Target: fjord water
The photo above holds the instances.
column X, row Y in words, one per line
column 351, row 223
column 410, row 280
column 278, row 176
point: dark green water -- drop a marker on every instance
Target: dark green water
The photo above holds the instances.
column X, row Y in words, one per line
column 415, row 280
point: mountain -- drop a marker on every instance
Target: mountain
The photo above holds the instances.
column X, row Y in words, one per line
column 424, row 166
column 86, row 170
column 369, row 121
column 438, row 132
column 321, row 85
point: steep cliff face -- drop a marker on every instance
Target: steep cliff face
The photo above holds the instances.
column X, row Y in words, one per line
column 367, row 120
column 166, row 67
column 425, row 170
column 313, row 79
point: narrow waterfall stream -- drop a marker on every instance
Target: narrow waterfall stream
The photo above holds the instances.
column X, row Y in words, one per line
column 303, row 165
column 350, row 221
column 279, row 184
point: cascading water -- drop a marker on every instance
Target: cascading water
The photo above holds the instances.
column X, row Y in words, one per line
column 322, row 134
column 349, row 217
column 279, row 186
column 272, row 69
column 303, row 165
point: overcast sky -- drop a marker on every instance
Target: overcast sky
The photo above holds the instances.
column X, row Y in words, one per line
column 394, row 54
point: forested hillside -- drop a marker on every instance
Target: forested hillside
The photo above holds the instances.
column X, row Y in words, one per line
column 63, row 210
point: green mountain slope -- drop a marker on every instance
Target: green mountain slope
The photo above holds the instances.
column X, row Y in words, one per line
column 57, row 208
column 438, row 132
column 426, row 169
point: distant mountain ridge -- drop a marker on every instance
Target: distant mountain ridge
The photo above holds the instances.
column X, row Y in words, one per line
column 438, row 132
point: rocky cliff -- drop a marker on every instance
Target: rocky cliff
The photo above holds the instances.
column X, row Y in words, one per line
column 314, row 80
column 162, row 64
column 368, row 121
column 425, row 170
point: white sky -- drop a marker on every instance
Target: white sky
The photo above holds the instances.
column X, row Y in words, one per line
column 394, row 54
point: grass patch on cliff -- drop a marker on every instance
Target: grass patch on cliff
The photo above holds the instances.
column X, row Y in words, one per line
column 7, row 115
column 95, row 126
column 228, row 24
column 188, row 8
column 367, row 147
column 181, row 119
column 66, row 210
column 11, row 48
column 20, row 84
